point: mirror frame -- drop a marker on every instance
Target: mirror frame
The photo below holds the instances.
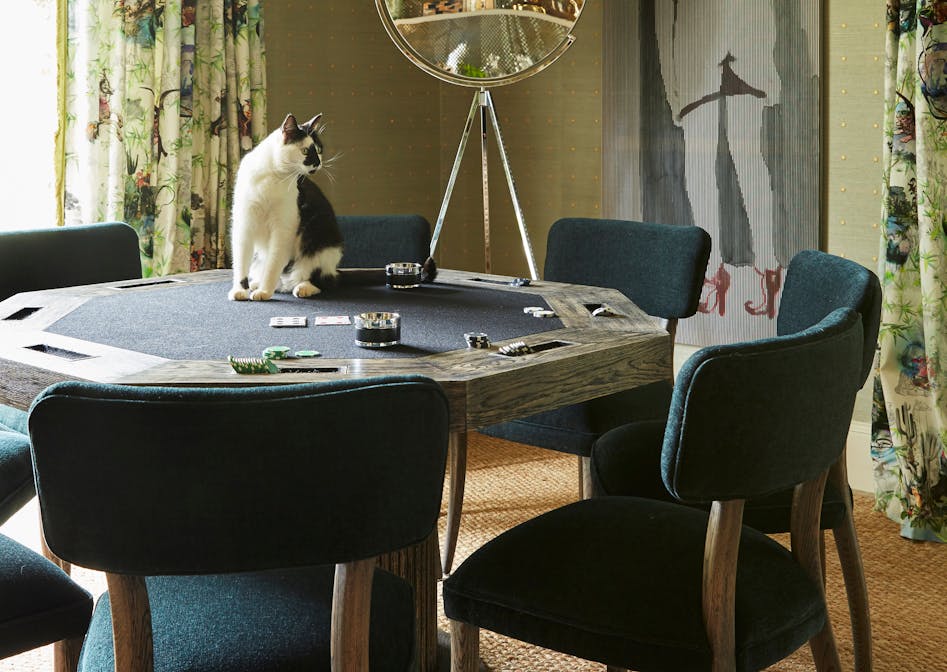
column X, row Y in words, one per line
column 474, row 82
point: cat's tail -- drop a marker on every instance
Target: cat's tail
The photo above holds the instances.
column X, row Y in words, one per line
column 428, row 270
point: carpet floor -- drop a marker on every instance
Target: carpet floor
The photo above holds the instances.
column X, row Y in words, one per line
column 508, row 483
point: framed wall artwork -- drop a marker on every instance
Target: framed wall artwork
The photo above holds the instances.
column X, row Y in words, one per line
column 712, row 117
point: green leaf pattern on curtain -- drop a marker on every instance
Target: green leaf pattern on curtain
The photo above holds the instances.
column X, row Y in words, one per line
column 163, row 97
column 909, row 415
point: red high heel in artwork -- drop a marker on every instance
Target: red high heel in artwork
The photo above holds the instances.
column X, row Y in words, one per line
column 770, row 284
column 717, row 294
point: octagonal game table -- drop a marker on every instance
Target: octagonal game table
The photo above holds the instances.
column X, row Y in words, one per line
column 179, row 330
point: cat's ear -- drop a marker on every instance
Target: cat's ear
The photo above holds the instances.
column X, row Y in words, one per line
column 311, row 124
column 290, row 128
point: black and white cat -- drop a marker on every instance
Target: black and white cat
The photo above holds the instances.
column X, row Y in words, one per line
column 284, row 234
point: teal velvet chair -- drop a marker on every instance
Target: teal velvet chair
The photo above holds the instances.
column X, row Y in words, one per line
column 46, row 259
column 648, row 585
column 238, row 527
column 661, row 268
column 39, row 603
column 371, row 241
column 66, row 256
column 627, row 461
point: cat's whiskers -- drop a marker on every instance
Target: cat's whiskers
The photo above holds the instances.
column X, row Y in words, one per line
column 289, row 177
column 329, row 173
column 329, row 163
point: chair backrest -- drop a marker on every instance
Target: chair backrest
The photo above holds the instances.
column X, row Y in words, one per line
column 658, row 266
column 818, row 283
column 67, row 256
column 371, row 241
column 150, row 481
column 750, row 419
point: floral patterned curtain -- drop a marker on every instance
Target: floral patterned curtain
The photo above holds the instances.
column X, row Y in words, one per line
column 909, row 419
column 162, row 99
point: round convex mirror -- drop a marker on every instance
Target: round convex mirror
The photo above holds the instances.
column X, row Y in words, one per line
column 481, row 43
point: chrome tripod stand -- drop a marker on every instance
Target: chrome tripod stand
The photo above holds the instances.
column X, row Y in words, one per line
column 483, row 102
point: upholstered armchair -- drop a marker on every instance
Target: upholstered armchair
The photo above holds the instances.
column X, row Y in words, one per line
column 646, row 584
column 238, row 527
column 627, row 462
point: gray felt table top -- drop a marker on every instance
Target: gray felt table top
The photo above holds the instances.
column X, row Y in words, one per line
column 197, row 321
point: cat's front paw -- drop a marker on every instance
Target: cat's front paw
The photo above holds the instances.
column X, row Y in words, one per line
column 260, row 295
column 238, row 294
column 305, row 289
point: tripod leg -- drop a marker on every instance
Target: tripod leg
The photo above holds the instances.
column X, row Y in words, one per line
column 474, row 106
column 524, row 234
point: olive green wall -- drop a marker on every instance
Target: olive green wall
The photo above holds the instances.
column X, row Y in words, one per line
column 382, row 113
column 398, row 129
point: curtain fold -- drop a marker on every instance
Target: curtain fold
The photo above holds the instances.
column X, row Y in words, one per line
column 162, row 99
column 909, row 412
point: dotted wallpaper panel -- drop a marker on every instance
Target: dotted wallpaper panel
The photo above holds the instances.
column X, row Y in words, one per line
column 856, row 55
column 855, row 138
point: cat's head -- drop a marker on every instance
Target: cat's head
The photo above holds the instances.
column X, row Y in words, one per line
column 302, row 148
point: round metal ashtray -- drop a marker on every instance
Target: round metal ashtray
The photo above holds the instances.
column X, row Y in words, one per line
column 403, row 275
column 377, row 330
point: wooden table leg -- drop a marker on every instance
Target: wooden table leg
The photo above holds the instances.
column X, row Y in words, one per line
column 421, row 567
column 455, row 497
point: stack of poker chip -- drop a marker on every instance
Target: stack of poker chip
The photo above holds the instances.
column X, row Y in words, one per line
column 477, row 339
column 515, row 349
column 539, row 311
column 248, row 365
column 276, row 352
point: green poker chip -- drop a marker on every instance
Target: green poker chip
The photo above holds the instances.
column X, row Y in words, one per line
column 308, row 353
column 276, row 352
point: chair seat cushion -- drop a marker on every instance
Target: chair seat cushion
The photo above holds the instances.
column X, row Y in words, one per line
column 40, row 604
column 627, row 461
column 16, row 472
column 276, row 620
column 14, row 419
column 574, row 428
column 617, row 580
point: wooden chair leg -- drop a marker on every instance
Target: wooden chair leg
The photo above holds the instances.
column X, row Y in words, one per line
column 853, row 572
column 455, row 497
column 66, row 655
column 585, row 477
column 351, row 608
column 464, row 647
column 805, row 539
column 131, row 623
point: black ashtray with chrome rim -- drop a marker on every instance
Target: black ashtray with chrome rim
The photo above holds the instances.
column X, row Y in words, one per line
column 403, row 275
column 377, row 330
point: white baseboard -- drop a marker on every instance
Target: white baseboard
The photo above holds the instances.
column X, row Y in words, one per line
column 860, row 468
